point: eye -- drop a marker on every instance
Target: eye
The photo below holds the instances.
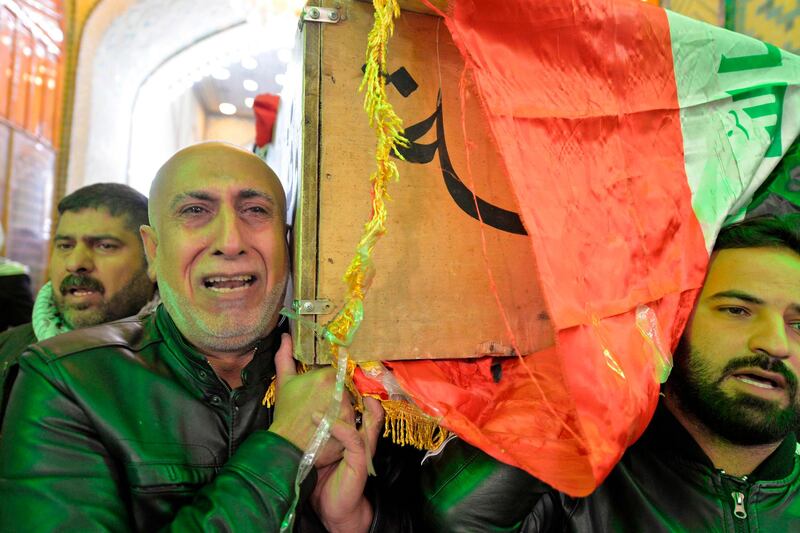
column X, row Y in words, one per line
column 64, row 245
column 106, row 246
column 795, row 325
column 192, row 210
column 257, row 210
column 735, row 310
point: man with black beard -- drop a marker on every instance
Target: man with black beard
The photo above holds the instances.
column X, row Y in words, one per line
column 97, row 272
column 721, row 451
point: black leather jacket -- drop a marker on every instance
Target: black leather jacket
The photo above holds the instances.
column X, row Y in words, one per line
column 13, row 342
column 126, row 427
column 664, row 483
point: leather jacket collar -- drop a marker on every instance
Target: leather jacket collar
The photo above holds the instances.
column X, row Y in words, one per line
column 197, row 375
column 667, row 435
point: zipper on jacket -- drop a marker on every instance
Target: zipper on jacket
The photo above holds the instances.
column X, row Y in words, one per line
column 737, row 487
column 738, row 505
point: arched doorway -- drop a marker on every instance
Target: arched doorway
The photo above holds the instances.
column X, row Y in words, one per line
column 123, row 43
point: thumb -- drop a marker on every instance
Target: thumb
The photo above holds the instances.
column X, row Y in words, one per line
column 284, row 362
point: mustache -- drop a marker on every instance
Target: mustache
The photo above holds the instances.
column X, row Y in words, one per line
column 764, row 362
column 81, row 281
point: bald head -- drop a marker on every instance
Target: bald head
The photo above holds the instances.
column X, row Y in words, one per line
column 210, row 161
column 216, row 244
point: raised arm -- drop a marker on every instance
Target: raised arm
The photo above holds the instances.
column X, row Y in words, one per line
column 465, row 490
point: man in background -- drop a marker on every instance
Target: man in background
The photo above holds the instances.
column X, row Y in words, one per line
column 720, row 453
column 98, row 269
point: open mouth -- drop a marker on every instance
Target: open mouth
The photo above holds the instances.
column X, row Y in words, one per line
column 79, row 286
column 762, row 380
column 79, row 292
column 229, row 283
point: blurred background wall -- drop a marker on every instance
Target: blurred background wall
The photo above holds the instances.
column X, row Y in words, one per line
column 106, row 90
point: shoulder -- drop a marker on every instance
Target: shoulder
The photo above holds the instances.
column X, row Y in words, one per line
column 129, row 334
column 88, row 357
column 14, row 341
column 19, row 333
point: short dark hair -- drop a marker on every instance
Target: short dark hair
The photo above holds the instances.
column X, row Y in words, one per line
column 118, row 199
column 765, row 231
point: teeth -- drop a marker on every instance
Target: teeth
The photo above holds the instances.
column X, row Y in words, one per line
column 221, row 279
column 757, row 382
column 228, row 283
column 226, row 289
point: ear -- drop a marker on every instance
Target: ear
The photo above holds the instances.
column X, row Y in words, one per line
column 290, row 246
column 150, row 241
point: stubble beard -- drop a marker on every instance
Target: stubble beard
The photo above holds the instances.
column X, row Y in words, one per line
column 217, row 332
column 741, row 419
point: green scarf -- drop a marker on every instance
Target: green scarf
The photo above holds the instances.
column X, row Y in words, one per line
column 47, row 322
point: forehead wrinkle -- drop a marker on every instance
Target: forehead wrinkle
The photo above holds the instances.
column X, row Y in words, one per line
column 102, row 237
column 209, row 161
column 246, row 194
column 121, row 224
column 760, row 271
column 196, row 195
column 94, row 237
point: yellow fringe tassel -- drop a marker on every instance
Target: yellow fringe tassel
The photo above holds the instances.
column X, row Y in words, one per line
column 269, row 396
column 406, row 424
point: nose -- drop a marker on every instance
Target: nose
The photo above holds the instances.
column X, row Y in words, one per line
column 770, row 337
column 80, row 259
column 229, row 236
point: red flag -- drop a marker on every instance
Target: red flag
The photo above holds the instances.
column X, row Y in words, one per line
column 265, row 108
column 625, row 165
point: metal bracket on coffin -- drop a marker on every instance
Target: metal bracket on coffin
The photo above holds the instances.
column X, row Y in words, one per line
column 327, row 15
column 312, row 307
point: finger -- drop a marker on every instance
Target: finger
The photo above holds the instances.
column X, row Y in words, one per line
column 284, row 362
column 346, row 412
column 373, row 422
column 350, row 438
column 332, row 450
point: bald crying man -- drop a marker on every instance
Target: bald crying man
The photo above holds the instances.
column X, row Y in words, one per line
column 157, row 423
